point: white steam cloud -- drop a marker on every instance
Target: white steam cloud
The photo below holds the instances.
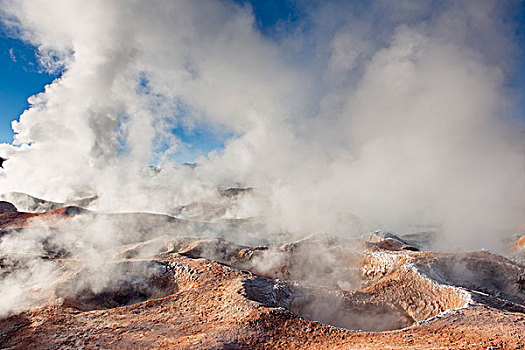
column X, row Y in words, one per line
column 362, row 116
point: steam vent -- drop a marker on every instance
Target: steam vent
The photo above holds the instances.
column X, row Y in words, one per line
column 156, row 287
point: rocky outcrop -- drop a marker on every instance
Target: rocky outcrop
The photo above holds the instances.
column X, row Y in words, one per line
column 7, row 207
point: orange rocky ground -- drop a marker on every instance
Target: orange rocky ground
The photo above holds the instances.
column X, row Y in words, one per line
column 176, row 292
column 520, row 243
column 15, row 220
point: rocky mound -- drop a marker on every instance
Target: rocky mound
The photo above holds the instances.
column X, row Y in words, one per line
column 33, row 204
column 6, row 207
column 17, row 220
column 29, row 203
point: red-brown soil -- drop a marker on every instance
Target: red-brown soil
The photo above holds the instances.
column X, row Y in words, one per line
column 16, row 220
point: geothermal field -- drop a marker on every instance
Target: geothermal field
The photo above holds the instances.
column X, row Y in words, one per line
column 76, row 278
column 262, row 174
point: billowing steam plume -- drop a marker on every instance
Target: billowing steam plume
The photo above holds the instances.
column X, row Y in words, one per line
column 353, row 117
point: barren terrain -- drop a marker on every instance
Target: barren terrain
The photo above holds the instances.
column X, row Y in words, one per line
column 163, row 289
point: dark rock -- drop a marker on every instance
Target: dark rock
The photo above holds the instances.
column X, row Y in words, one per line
column 6, row 207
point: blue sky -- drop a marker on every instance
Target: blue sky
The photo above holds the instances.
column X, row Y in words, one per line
column 517, row 80
column 21, row 76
